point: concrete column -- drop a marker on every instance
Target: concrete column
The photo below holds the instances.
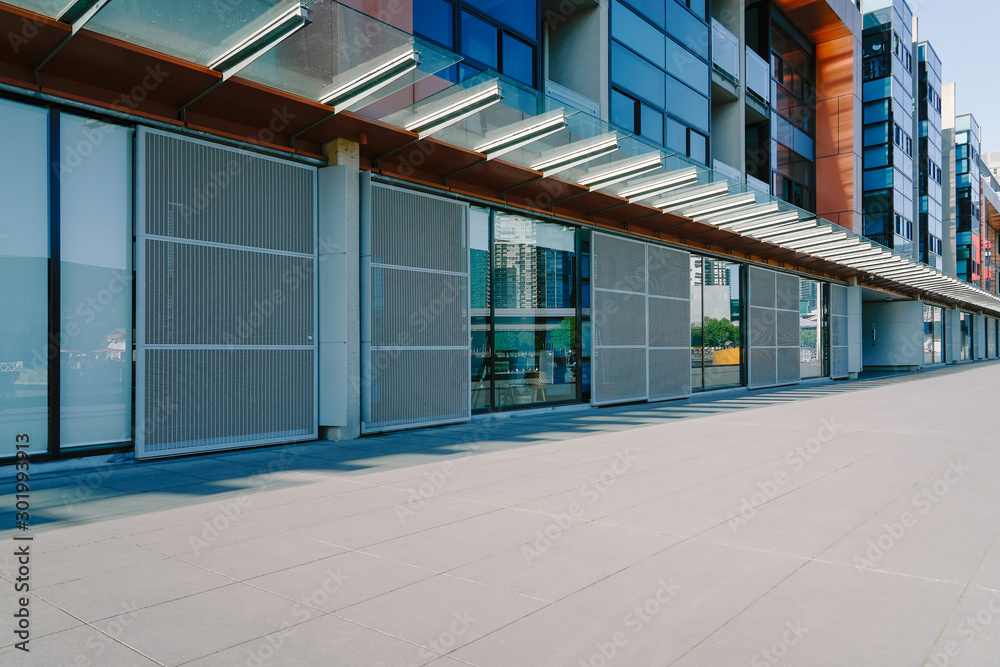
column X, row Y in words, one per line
column 339, row 293
column 854, row 330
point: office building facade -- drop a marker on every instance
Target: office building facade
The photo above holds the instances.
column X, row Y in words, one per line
column 320, row 221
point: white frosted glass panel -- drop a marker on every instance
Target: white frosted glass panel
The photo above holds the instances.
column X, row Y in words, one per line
column 96, row 235
column 24, row 249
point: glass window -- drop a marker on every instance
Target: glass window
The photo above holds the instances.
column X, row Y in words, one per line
column 686, row 67
column 876, row 112
column 96, row 277
column 810, row 329
column 697, row 342
column 637, row 75
column 699, row 147
column 534, row 301
column 651, row 123
column 875, row 135
column 677, row 136
column 479, row 282
column 433, row 20
column 686, row 104
column 518, row 60
column 479, row 40
column 688, row 30
column 720, row 310
column 24, row 251
column 522, row 15
column 630, row 28
column 651, row 9
column 877, row 157
column 623, row 110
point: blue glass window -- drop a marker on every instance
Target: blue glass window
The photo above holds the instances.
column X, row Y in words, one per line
column 699, row 147
column 631, row 29
column 623, row 111
column 691, row 32
column 479, row 40
column 522, row 15
column 875, row 135
column 876, row 179
column 686, row 67
column 637, row 75
column 433, row 20
column 676, row 136
column 651, row 123
column 518, row 60
column 687, row 104
column 651, row 9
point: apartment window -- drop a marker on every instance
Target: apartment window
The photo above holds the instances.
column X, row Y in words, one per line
column 660, row 73
column 909, row 62
column 502, row 37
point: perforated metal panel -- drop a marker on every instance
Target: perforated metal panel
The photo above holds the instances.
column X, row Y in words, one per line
column 415, row 357
column 225, row 298
column 774, row 328
column 641, row 315
column 838, row 332
column 991, row 338
column 618, row 314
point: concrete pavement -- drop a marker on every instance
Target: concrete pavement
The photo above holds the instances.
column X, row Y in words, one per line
column 834, row 524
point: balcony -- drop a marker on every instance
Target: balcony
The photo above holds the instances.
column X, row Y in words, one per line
column 758, row 80
column 725, row 53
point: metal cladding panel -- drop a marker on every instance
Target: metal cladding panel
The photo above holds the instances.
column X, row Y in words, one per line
column 417, row 363
column 197, row 399
column 763, row 331
column 763, row 367
column 991, row 338
column 838, row 362
column 203, row 192
column 225, row 302
column 622, row 320
column 789, row 367
column 415, row 386
column 418, row 231
column 211, row 295
column 788, row 328
column 669, row 273
column 619, row 264
column 838, row 332
column 774, row 328
column 787, row 292
column 619, row 374
column 413, row 308
column 762, row 287
column 669, row 374
column 669, row 323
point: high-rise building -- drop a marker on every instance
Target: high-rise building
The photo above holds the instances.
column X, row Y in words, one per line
column 929, row 157
column 887, row 70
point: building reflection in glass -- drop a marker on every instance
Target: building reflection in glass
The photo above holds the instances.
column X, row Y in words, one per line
column 812, row 330
column 525, row 335
column 716, row 354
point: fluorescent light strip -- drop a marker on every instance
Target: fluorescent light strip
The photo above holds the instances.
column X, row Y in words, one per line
column 621, row 170
column 576, row 153
column 255, row 45
column 377, row 77
column 512, row 137
column 653, row 186
column 447, row 113
column 691, row 194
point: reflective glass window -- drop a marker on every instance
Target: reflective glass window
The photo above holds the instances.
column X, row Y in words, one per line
column 651, row 123
column 630, row 28
column 522, row 15
column 637, row 75
column 96, row 277
column 479, row 40
column 24, row 251
column 811, row 344
column 433, row 20
column 518, row 60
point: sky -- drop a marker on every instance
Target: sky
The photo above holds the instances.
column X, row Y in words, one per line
column 964, row 35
